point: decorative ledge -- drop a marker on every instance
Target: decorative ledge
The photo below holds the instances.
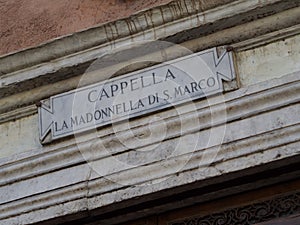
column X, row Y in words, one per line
column 70, row 56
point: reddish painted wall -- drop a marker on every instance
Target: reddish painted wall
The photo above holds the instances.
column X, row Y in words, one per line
column 26, row 23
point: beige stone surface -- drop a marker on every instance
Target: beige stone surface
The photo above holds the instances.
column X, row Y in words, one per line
column 254, row 66
column 19, row 136
column 61, row 183
column 271, row 61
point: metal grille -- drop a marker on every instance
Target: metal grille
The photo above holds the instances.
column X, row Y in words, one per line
column 250, row 214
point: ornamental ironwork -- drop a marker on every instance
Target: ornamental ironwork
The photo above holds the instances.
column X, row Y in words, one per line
column 250, row 214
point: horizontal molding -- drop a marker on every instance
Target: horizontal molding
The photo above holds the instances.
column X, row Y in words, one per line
column 267, row 38
column 18, row 113
column 238, row 34
column 91, row 194
column 264, row 102
column 239, row 104
column 180, row 10
column 213, row 160
column 57, row 70
column 107, row 33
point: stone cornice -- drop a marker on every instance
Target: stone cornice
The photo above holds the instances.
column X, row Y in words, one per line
column 279, row 93
column 261, row 141
column 69, row 56
column 107, row 33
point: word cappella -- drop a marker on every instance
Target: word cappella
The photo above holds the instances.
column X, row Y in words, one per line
column 131, row 85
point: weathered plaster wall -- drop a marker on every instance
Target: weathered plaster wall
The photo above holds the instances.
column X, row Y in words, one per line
column 26, row 23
